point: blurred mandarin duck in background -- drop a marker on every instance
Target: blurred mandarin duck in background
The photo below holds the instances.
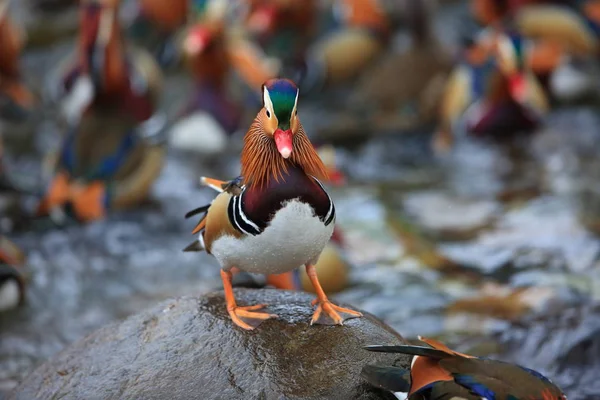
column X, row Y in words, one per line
column 563, row 38
column 492, row 92
column 12, row 280
column 572, row 34
column 211, row 114
column 363, row 35
column 438, row 373
column 276, row 216
column 108, row 159
column 213, row 55
column 16, row 100
column 380, row 102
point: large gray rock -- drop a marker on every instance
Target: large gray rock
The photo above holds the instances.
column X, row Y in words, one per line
column 188, row 348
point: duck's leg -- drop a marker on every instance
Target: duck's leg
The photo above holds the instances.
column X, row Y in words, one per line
column 326, row 311
column 244, row 317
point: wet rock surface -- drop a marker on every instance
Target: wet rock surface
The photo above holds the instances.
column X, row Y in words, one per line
column 189, row 349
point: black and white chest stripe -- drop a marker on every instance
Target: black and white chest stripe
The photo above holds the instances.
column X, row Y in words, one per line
column 244, row 224
column 330, row 216
column 238, row 217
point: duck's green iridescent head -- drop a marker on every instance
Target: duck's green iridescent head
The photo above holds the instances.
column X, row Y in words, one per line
column 280, row 102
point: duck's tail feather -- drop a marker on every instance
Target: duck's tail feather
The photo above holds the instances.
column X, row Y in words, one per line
column 233, row 186
column 410, row 350
column 197, row 211
column 194, row 246
column 215, row 184
column 394, row 379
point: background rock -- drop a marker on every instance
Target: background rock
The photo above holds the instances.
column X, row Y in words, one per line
column 188, row 348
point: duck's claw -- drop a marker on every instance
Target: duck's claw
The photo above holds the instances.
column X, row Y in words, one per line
column 247, row 318
column 328, row 313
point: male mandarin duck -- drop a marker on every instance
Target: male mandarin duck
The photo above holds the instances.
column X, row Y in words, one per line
column 276, row 216
column 214, row 111
column 15, row 99
column 491, row 92
column 364, row 34
column 569, row 36
column 211, row 115
column 112, row 93
column 439, row 373
column 12, row 281
column 557, row 28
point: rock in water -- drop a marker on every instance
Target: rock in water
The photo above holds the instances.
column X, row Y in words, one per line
column 188, row 348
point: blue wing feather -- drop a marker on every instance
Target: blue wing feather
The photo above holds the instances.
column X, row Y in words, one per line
column 536, row 374
column 477, row 388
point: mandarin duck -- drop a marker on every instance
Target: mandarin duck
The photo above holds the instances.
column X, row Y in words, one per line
column 491, row 92
column 214, row 112
column 364, row 34
column 211, row 114
column 382, row 103
column 15, row 99
column 215, row 52
column 276, row 216
column 572, row 34
column 12, row 281
column 439, row 373
column 555, row 28
column 332, row 267
column 108, row 158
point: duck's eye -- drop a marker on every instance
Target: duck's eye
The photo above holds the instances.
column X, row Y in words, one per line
column 296, row 113
column 268, row 114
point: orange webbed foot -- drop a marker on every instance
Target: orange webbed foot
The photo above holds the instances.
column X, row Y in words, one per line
column 328, row 313
column 88, row 201
column 247, row 318
column 57, row 195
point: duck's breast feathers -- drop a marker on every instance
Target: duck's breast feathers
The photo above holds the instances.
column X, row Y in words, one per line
column 260, row 203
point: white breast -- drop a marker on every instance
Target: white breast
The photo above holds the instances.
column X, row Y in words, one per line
column 294, row 238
